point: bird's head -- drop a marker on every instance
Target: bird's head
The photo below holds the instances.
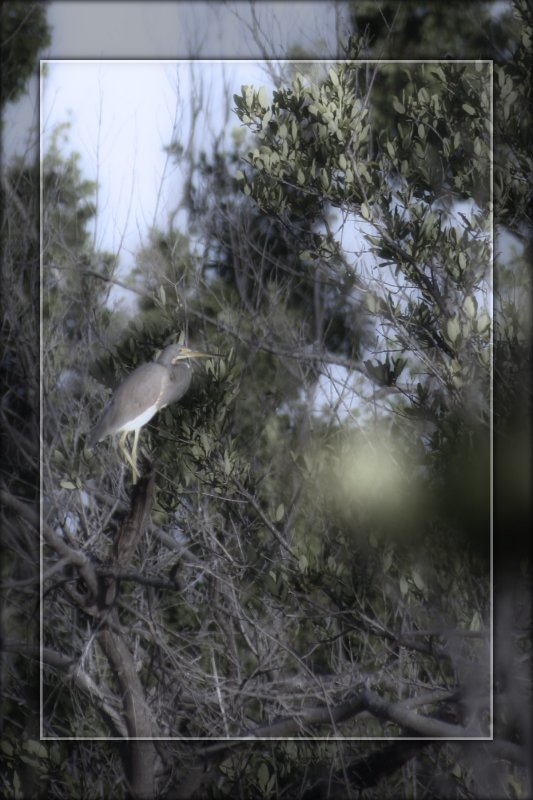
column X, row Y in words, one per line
column 174, row 353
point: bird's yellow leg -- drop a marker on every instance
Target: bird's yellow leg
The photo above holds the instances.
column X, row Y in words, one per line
column 127, row 456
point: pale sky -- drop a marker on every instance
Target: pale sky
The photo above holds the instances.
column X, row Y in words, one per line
column 122, row 115
column 124, row 111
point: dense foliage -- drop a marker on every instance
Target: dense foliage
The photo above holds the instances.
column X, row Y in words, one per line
column 24, row 33
column 316, row 562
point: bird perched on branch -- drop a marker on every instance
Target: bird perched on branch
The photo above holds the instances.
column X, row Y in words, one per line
column 149, row 388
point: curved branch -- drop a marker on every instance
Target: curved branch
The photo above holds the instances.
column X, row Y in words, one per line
column 78, row 676
column 141, row 755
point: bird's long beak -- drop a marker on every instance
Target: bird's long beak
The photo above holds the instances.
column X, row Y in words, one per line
column 188, row 353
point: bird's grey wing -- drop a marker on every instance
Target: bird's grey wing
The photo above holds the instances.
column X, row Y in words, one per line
column 140, row 390
column 178, row 381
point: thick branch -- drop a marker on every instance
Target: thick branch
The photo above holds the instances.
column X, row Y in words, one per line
column 138, row 718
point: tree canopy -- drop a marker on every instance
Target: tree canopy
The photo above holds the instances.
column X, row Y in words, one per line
column 24, row 33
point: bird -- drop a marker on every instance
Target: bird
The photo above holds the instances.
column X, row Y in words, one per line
column 143, row 393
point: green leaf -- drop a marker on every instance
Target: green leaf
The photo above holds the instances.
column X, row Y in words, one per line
column 397, row 106
column 262, row 98
column 67, row 485
column 263, row 775
column 470, row 307
column 334, row 77
column 453, row 329
column 227, row 463
column 468, row 109
column 248, row 94
column 399, row 366
column 372, row 303
column 6, row 747
column 38, row 749
column 475, row 622
column 418, row 579
column 437, row 71
column 31, row 762
column 266, row 119
column 483, row 323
